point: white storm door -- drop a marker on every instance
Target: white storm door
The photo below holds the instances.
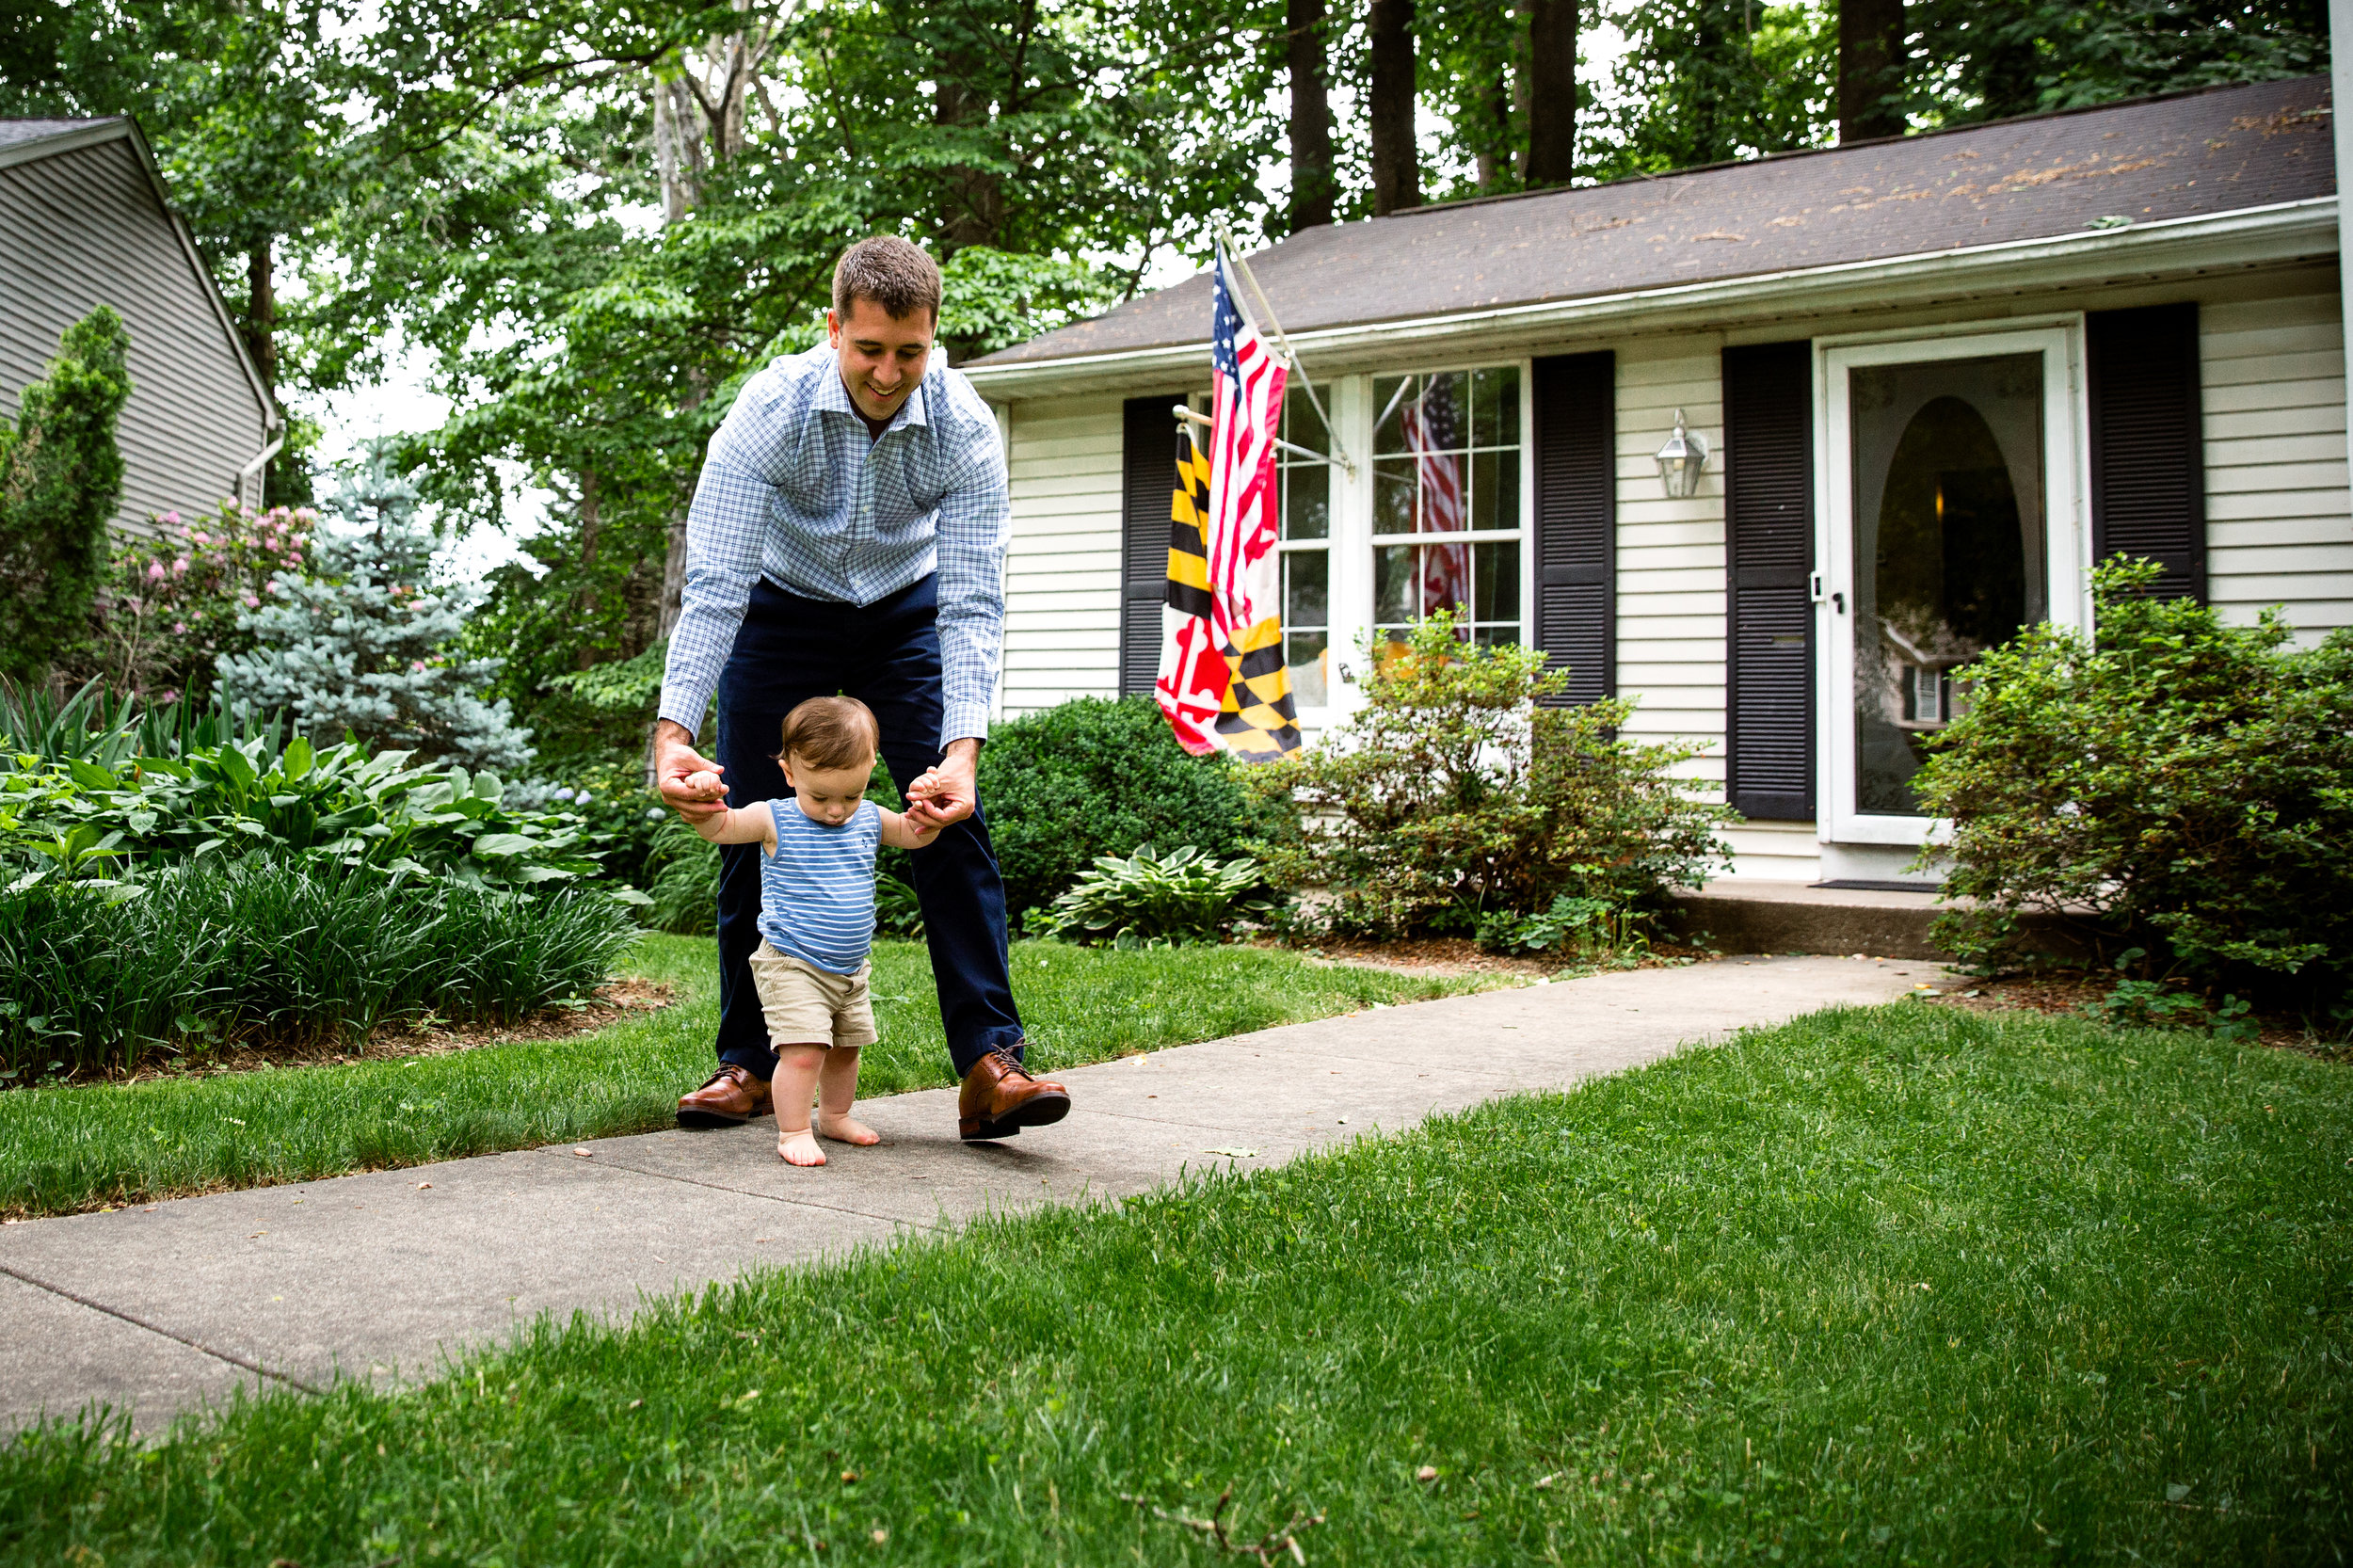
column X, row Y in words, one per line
column 1952, row 516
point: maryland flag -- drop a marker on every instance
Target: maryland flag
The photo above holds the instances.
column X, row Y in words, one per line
column 1223, row 682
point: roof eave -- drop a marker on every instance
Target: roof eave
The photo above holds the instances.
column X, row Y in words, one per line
column 2280, row 233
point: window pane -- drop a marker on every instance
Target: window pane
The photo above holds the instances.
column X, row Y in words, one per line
column 1307, row 654
column 1302, row 426
column 1498, row 587
column 1307, row 502
column 1496, row 406
column 1389, row 394
column 1445, row 509
column 1306, row 589
column 1495, row 490
column 1393, row 495
column 1446, row 409
column 1394, row 601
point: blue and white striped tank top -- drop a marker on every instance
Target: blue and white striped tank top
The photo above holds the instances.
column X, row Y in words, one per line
column 817, row 891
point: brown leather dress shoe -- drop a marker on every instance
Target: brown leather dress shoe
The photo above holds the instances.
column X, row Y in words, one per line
column 732, row 1097
column 1001, row 1098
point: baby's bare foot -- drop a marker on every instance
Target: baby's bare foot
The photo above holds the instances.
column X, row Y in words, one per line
column 843, row 1129
column 799, row 1148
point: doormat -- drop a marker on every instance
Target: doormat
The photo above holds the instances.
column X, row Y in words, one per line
column 1860, row 885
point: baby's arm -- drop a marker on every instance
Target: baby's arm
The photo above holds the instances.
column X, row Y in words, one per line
column 754, row 824
column 900, row 833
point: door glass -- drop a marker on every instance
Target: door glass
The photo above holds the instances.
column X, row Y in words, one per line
column 1948, row 551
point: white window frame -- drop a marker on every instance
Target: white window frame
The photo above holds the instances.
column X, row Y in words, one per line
column 2066, row 530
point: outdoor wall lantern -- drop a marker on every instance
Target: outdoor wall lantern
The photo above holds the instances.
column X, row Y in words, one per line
column 1681, row 459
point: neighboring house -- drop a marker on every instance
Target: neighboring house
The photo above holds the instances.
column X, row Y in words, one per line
column 83, row 222
column 1938, row 377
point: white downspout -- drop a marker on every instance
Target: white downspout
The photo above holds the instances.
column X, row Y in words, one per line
column 249, row 476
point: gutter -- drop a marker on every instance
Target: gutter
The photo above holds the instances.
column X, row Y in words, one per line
column 2282, row 232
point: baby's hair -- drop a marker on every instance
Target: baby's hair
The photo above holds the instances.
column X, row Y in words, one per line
column 831, row 733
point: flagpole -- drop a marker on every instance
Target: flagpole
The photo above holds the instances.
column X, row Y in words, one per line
column 1232, row 253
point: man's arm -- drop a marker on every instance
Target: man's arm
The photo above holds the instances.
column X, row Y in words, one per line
column 971, row 532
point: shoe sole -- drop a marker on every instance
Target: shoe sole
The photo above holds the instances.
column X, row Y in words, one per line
column 708, row 1120
column 1044, row 1111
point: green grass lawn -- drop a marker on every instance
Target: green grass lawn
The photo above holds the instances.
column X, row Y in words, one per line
column 71, row 1149
column 1887, row 1286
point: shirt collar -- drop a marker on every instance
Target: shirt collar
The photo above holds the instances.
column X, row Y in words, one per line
column 834, row 397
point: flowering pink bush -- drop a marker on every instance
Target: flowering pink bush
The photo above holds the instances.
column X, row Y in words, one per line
column 170, row 603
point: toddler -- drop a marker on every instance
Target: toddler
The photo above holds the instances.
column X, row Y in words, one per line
column 817, row 912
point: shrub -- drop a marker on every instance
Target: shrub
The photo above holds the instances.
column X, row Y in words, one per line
column 1092, row 777
column 2170, row 782
column 1571, row 927
column 60, row 475
column 272, row 951
column 172, row 605
column 1455, row 793
column 1149, row 899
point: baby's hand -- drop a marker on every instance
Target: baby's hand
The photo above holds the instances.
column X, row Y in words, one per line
column 925, row 786
column 705, row 784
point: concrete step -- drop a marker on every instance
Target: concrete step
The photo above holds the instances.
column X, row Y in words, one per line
column 1753, row 915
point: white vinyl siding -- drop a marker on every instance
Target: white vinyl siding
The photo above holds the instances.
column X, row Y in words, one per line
column 83, row 227
column 1062, row 574
column 2279, row 530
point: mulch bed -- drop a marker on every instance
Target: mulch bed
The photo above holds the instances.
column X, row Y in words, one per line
column 612, row 1002
column 1453, row 957
column 2078, row 992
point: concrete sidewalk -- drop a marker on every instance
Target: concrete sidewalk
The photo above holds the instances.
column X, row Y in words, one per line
column 385, row 1275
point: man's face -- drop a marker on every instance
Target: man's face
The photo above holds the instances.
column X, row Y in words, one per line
column 882, row 356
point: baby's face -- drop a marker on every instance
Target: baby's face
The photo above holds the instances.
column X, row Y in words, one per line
column 829, row 795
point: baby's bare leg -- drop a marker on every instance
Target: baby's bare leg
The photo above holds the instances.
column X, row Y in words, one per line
column 836, row 1089
column 797, row 1067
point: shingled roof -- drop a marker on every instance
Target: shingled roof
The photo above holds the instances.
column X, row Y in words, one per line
column 2185, row 155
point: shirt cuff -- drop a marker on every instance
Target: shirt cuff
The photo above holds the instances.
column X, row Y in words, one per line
column 678, row 711
column 963, row 721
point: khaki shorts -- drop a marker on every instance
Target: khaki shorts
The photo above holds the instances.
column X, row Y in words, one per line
column 805, row 1005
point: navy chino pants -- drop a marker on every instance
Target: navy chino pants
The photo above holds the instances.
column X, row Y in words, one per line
column 887, row 655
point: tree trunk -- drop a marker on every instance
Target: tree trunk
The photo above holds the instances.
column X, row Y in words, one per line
column 972, row 201
column 1395, row 158
column 1551, row 92
column 1311, row 116
column 674, row 568
column 591, row 528
column 260, row 313
column 1871, row 69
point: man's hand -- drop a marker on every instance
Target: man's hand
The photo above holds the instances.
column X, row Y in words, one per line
column 945, row 793
column 688, row 784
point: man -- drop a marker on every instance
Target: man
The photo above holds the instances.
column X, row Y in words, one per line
column 848, row 536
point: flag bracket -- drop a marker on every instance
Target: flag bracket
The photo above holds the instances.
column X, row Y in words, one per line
column 1225, row 238
column 1205, row 420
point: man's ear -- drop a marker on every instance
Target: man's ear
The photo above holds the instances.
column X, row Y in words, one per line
column 833, row 327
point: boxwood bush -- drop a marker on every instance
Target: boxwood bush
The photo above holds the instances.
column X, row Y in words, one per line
column 2170, row 783
column 1093, row 777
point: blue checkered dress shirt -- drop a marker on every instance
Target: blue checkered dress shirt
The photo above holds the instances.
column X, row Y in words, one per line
column 794, row 489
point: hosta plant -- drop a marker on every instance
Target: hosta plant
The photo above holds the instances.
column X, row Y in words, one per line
column 1146, row 898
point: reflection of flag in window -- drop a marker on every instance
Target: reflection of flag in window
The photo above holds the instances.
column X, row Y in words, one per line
column 1223, row 681
column 1431, row 424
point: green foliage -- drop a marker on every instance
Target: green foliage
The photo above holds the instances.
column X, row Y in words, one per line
column 1571, row 928
column 276, row 951
column 59, row 478
column 173, row 604
column 2171, row 782
column 364, row 643
column 341, row 807
column 1457, row 792
column 1706, row 81
column 95, row 725
column 1150, row 900
column 1090, row 777
column 682, row 880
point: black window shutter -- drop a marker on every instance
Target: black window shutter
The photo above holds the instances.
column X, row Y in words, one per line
column 1576, row 515
column 1147, row 484
column 1768, row 536
column 2148, row 452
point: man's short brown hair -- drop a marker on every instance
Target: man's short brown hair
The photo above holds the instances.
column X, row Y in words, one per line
column 891, row 273
column 831, row 733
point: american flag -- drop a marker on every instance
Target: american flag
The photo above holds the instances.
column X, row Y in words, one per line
column 1220, row 676
column 1431, row 424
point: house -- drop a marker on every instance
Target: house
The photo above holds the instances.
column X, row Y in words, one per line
column 83, row 222
column 1936, row 378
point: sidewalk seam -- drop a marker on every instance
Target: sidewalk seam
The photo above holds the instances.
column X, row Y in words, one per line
column 612, row 1164
column 230, row 1356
